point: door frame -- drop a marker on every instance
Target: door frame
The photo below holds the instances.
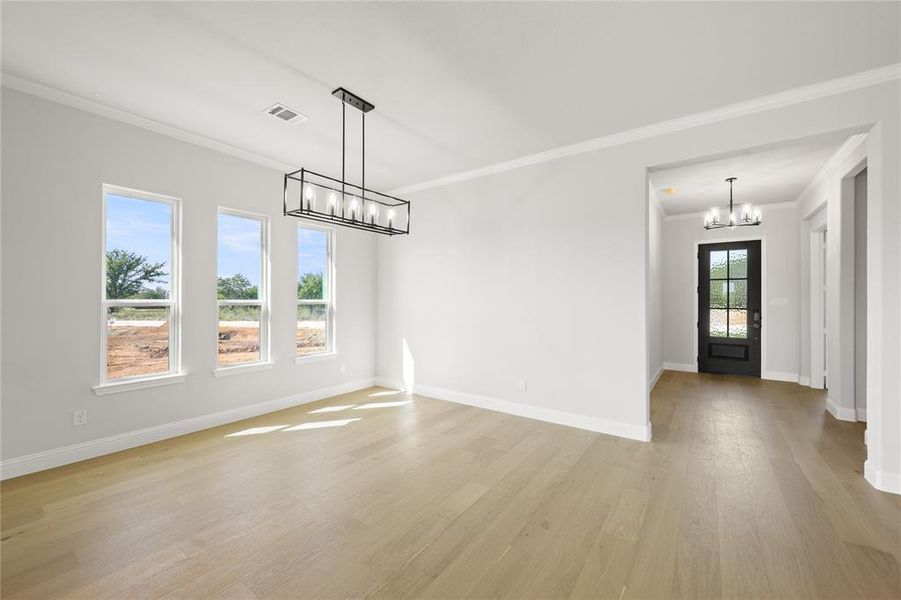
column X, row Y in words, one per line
column 816, row 302
column 763, row 297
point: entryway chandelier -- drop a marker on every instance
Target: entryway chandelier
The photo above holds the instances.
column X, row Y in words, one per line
column 338, row 201
column 750, row 216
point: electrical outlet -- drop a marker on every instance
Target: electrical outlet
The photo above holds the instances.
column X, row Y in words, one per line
column 342, row 369
column 523, row 385
column 79, row 417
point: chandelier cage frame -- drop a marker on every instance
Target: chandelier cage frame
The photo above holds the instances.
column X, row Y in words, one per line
column 750, row 216
column 338, row 201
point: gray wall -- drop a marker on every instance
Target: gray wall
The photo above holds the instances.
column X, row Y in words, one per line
column 860, row 293
column 54, row 161
column 655, row 287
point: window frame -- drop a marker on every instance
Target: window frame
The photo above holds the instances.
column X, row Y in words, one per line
column 264, row 293
column 329, row 300
column 172, row 303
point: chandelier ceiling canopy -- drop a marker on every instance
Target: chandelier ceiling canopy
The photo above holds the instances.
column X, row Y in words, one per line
column 318, row 197
column 749, row 217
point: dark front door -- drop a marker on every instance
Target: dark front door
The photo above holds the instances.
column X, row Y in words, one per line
column 729, row 321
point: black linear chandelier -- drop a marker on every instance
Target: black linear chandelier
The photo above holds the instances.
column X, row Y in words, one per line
column 749, row 217
column 338, row 201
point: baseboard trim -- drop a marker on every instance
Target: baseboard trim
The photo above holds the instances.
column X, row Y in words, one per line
column 688, row 368
column 804, row 381
column 549, row 415
column 842, row 414
column 655, row 378
column 57, row 457
column 781, row 376
column 881, row 480
column 861, row 414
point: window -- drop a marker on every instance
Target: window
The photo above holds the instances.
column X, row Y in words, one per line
column 242, row 288
column 140, row 333
column 315, row 294
column 729, row 293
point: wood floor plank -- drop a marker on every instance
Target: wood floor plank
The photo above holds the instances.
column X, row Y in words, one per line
column 749, row 489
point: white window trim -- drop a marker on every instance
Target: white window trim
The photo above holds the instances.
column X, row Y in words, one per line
column 263, row 301
column 173, row 303
column 331, row 350
column 128, row 385
column 242, row 368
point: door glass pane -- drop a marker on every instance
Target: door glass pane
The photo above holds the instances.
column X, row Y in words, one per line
column 239, row 334
column 738, row 323
column 137, row 341
column 239, row 257
column 738, row 263
column 718, row 264
column 312, row 321
column 717, row 323
column 138, row 248
column 718, row 293
column 738, row 293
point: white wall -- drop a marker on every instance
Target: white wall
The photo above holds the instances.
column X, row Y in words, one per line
column 54, row 161
column 832, row 193
column 860, row 295
column 495, row 282
column 536, row 271
column 655, row 287
column 780, row 282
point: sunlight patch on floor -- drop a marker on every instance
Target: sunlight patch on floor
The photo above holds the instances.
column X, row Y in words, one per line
column 257, row 430
column 330, row 409
column 386, row 393
column 383, row 404
column 321, row 424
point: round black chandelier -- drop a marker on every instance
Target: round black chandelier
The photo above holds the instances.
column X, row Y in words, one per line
column 749, row 216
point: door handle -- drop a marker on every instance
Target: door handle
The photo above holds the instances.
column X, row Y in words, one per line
column 756, row 317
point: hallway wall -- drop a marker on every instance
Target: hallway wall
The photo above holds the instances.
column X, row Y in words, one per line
column 780, row 294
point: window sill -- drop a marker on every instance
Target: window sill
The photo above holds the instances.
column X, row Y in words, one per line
column 311, row 358
column 238, row 369
column 116, row 387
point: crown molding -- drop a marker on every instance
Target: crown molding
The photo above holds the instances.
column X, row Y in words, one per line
column 764, row 103
column 700, row 215
column 33, row 88
column 781, row 99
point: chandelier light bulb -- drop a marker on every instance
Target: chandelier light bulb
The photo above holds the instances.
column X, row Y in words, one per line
column 715, row 215
column 373, row 212
column 390, row 217
column 757, row 215
column 746, row 212
column 332, row 201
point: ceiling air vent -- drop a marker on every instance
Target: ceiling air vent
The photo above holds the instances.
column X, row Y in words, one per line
column 288, row 115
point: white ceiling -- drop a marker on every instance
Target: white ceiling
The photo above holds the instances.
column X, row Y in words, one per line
column 765, row 176
column 457, row 86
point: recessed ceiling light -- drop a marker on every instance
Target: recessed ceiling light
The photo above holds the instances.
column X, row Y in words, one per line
column 288, row 115
column 670, row 191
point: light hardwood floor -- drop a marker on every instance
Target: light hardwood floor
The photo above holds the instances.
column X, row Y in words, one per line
column 749, row 489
